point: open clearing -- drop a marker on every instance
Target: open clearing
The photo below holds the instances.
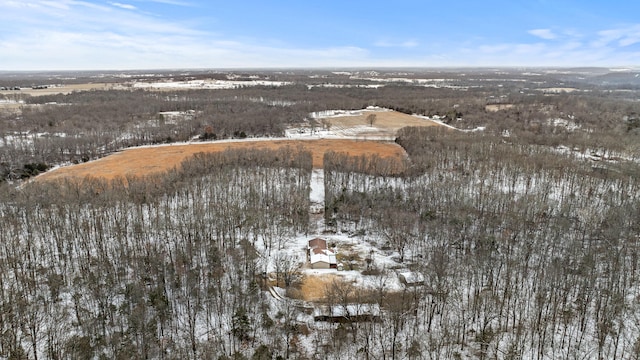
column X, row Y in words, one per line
column 148, row 160
column 62, row 89
column 314, row 288
column 160, row 85
column 384, row 120
column 386, row 123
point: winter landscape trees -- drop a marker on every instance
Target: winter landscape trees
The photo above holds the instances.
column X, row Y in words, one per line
column 520, row 224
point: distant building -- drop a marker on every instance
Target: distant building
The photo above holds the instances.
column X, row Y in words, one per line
column 320, row 256
column 347, row 313
column 411, row 278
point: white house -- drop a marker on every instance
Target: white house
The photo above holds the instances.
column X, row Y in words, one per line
column 321, row 257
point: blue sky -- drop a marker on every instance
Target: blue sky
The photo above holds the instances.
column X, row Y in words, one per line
column 169, row 34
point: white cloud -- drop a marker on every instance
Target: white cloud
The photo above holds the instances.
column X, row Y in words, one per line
column 624, row 36
column 171, row 2
column 605, row 37
column 404, row 44
column 529, row 49
column 78, row 35
column 71, row 34
column 546, row 34
column 631, row 36
column 123, row 6
column 572, row 45
column 491, row 49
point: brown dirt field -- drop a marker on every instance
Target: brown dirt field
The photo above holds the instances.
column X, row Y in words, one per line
column 313, row 287
column 387, row 122
column 147, row 160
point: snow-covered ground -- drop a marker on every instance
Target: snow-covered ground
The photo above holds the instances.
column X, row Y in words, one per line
column 10, row 101
column 333, row 131
column 206, row 84
column 362, row 132
column 343, row 86
column 295, row 248
column 341, row 113
column 27, row 138
column 317, row 191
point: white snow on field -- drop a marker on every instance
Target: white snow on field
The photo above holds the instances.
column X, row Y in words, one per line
column 595, row 154
column 341, row 113
column 27, row 138
column 430, row 83
column 568, row 124
column 317, row 186
column 437, row 119
column 206, row 84
column 281, row 103
column 318, row 129
column 321, row 130
column 343, row 86
column 362, row 132
column 558, row 90
column 10, row 101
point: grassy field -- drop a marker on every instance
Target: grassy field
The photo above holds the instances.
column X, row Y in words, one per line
column 385, row 123
column 156, row 159
column 147, row 160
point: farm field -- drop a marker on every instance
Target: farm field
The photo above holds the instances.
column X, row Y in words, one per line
column 151, row 86
column 354, row 124
column 61, row 89
column 148, row 160
column 386, row 122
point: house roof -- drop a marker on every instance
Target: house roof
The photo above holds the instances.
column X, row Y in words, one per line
column 318, row 252
column 411, row 277
column 320, row 255
column 317, row 243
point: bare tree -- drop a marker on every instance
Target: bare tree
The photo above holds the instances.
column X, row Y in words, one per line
column 371, row 119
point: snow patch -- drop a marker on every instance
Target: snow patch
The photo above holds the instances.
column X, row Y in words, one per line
column 207, row 84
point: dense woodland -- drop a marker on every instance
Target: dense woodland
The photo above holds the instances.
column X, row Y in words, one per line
column 527, row 253
column 527, row 233
column 160, row 267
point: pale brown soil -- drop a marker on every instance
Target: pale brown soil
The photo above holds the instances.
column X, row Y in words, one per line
column 147, row 160
column 386, row 122
column 314, row 287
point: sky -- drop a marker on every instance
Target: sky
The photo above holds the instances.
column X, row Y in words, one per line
column 192, row 34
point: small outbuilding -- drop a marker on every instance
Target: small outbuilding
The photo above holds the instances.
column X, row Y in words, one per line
column 347, row 313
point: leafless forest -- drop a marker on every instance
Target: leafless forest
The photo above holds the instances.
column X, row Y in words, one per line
column 522, row 216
